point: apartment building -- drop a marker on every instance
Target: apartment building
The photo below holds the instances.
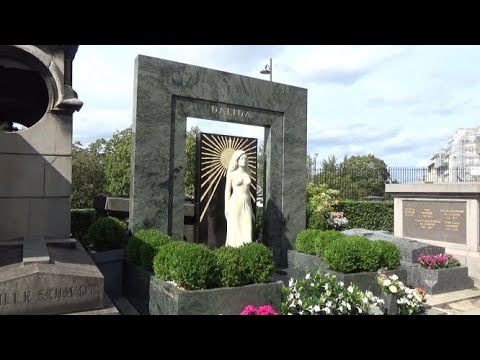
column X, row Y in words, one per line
column 460, row 161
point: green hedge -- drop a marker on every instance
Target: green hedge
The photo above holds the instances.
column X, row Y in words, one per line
column 258, row 261
column 151, row 241
column 107, row 233
column 81, row 219
column 231, row 265
column 191, row 266
column 371, row 215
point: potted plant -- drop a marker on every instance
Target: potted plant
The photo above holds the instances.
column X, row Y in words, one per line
column 191, row 279
column 439, row 274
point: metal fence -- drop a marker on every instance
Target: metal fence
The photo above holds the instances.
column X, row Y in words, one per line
column 369, row 184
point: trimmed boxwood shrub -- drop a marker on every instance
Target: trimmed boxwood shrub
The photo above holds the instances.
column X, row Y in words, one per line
column 370, row 255
column 231, row 266
column 150, row 242
column 259, row 263
column 133, row 250
column 325, row 238
column 305, row 242
column 191, row 266
column 107, row 233
column 314, row 242
column 345, row 255
column 390, row 254
column 372, row 215
column 81, row 219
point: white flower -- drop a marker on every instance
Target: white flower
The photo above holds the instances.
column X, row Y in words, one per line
column 327, row 311
column 350, row 289
column 316, row 308
column 328, row 304
column 312, row 284
column 387, row 283
column 325, row 286
column 394, row 277
column 291, row 282
column 349, row 307
column 341, row 283
column 307, row 276
column 393, row 289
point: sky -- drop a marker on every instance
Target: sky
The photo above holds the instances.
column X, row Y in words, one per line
column 399, row 103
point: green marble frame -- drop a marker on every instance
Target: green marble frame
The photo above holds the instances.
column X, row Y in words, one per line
column 166, row 93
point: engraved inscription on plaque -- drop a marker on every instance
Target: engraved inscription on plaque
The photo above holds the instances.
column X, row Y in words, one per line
column 435, row 220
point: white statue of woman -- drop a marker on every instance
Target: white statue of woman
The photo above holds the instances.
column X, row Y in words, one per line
column 238, row 206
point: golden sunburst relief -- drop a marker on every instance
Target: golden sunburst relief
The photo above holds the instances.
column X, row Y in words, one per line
column 216, row 152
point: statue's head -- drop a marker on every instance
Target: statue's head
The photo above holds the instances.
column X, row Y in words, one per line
column 239, row 159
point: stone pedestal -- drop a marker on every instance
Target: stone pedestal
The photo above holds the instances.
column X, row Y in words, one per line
column 68, row 281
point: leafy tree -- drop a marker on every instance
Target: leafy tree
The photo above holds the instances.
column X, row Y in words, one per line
column 367, row 174
column 118, row 151
column 356, row 177
column 190, row 160
column 88, row 173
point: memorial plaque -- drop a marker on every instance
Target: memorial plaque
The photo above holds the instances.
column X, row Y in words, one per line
column 214, row 152
column 435, row 220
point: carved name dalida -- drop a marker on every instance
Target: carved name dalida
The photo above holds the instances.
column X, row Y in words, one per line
column 229, row 111
column 44, row 295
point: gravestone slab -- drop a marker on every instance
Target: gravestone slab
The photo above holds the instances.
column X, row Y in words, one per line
column 409, row 248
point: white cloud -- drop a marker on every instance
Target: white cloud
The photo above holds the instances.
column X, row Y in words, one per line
column 385, row 100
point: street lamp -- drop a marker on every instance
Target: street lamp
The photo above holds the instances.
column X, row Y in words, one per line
column 268, row 70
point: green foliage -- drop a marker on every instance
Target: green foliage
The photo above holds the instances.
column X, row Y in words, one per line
column 118, row 151
column 231, row 265
column 352, row 254
column 371, row 215
column 88, row 174
column 133, row 250
column 104, row 167
column 107, row 233
column 320, row 201
column 150, row 242
column 191, row 266
column 370, row 255
column 81, row 219
column 390, row 254
column 324, row 239
column 191, row 160
column 368, row 174
column 306, row 241
column 259, row 263
column 357, row 176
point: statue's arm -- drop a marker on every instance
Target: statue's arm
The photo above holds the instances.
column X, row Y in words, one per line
column 228, row 188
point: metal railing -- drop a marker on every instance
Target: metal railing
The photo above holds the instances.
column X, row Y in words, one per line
column 369, row 184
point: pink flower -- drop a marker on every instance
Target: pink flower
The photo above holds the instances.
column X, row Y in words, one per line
column 261, row 310
column 249, row 310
